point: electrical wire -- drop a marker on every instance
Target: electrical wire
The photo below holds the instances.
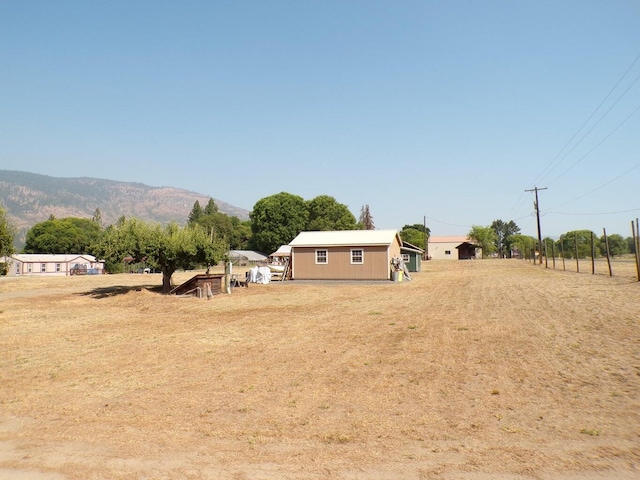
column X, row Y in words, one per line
column 596, row 146
column 544, row 172
column 594, row 214
column 599, row 187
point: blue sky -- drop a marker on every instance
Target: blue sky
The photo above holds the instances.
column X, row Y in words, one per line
column 448, row 110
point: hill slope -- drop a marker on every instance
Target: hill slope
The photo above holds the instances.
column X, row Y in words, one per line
column 31, row 198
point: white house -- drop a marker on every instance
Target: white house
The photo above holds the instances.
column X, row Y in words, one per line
column 52, row 264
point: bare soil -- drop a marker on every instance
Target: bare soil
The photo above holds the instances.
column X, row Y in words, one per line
column 474, row 370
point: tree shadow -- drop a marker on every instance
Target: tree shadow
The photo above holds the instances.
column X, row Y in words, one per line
column 115, row 290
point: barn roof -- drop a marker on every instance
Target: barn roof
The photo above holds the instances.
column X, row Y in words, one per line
column 345, row 237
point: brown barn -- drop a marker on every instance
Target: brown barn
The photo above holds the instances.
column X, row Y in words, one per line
column 344, row 255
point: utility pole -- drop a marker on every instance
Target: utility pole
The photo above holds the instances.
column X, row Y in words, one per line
column 536, row 204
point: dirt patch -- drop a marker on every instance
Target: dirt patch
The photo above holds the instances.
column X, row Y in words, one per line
column 473, row 370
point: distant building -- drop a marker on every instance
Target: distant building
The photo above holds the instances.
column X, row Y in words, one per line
column 38, row 264
column 453, row 248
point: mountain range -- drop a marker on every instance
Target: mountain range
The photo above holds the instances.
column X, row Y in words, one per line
column 30, row 198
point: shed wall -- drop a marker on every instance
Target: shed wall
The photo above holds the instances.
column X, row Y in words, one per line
column 376, row 265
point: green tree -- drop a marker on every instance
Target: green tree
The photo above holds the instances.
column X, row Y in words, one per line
column 567, row 242
column 415, row 234
column 365, row 221
column 276, row 220
column 631, row 245
column 485, row 237
column 196, row 213
column 166, row 248
column 504, row 230
column 65, row 235
column 617, row 245
column 217, row 225
column 241, row 235
column 210, row 208
column 522, row 245
column 7, row 236
column 325, row 214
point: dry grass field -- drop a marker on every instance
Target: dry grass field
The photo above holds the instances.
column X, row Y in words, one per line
column 474, row 370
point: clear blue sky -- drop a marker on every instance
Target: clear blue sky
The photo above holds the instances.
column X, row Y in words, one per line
column 447, row 109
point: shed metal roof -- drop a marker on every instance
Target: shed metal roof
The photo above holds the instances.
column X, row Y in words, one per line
column 283, row 251
column 248, row 254
column 345, row 237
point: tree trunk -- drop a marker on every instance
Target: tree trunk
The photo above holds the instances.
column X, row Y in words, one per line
column 166, row 281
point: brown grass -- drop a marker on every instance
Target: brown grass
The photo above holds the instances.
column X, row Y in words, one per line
column 478, row 369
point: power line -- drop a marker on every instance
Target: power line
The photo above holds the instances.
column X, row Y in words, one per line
column 593, row 213
column 451, row 224
column 599, row 187
column 596, row 146
column 543, row 174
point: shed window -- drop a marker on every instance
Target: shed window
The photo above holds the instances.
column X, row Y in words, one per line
column 357, row 256
column 447, row 252
column 43, row 267
column 58, row 267
column 322, row 256
column 406, row 257
column 17, row 269
column 29, row 267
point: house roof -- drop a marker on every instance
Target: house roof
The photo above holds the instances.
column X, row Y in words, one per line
column 248, row 254
column 51, row 257
column 433, row 239
column 345, row 237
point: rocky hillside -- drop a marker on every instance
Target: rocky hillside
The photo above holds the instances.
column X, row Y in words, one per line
column 31, row 198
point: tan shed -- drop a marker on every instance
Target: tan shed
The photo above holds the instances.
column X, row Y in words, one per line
column 344, row 255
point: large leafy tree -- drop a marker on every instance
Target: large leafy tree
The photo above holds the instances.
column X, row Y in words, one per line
column 166, row 248
column 415, row 234
column 631, row 245
column 65, row 235
column 325, row 213
column 617, row 245
column 504, row 231
column 485, row 237
column 567, row 243
column 523, row 245
column 241, row 235
column 276, row 220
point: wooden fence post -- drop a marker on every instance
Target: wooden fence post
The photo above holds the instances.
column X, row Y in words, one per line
column 606, row 244
column 636, row 242
column 562, row 248
column 577, row 260
column 546, row 256
column 553, row 254
column 593, row 255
